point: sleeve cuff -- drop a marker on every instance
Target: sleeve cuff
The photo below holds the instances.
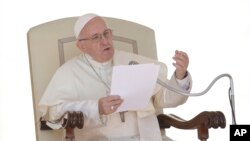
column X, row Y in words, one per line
column 184, row 83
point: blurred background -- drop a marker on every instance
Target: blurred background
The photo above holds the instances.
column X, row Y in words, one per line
column 214, row 33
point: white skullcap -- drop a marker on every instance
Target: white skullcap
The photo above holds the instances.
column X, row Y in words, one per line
column 81, row 22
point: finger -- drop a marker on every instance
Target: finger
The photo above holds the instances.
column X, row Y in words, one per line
column 184, row 54
column 113, row 97
column 181, row 54
column 112, row 103
column 110, row 109
column 178, row 58
column 116, row 102
column 181, row 61
column 105, row 105
column 113, row 108
column 181, row 58
column 179, row 65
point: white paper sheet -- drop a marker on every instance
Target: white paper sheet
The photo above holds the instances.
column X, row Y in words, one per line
column 135, row 84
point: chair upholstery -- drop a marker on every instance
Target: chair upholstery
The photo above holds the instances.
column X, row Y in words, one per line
column 52, row 43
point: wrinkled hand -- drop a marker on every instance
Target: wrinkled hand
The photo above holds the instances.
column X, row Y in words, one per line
column 181, row 64
column 109, row 104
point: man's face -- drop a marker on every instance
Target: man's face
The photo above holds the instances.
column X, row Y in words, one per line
column 95, row 39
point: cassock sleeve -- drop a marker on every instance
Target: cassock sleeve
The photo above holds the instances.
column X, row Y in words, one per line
column 89, row 108
column 165, row 98
column 61, row 96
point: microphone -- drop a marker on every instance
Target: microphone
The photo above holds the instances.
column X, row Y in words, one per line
column 231, row 90
column 133, row 63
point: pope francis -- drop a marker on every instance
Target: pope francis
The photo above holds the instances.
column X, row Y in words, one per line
column 83, row 84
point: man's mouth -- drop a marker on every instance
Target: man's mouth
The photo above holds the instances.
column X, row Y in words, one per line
column 107, row 49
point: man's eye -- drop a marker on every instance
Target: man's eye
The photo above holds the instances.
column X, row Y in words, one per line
column 95, row 38
column 106, row 34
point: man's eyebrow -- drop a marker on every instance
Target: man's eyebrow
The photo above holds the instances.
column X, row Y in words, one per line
column 99, row 33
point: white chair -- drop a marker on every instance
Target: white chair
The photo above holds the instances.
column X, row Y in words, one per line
column 52, row 43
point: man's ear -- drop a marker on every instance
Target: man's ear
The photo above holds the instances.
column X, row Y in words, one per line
column 80, row 46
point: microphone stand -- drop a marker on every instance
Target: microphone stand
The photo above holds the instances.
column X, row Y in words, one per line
column 231, row 92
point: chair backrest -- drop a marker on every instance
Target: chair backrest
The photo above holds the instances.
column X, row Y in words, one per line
column 52, row 43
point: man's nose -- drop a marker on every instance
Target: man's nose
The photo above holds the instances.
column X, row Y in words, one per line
column 104, row 40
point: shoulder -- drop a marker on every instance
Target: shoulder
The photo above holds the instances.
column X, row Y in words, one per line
column 124, row 58
column 70, row 65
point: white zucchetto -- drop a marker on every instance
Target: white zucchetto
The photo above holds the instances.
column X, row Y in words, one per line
column 81, row 22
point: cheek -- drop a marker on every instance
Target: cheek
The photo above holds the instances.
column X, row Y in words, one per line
column 85, row 47
column 92, row 50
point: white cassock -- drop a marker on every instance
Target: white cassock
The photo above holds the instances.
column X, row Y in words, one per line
column 76, row 87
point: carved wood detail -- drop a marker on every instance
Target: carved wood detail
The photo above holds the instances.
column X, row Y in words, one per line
column 202, row 122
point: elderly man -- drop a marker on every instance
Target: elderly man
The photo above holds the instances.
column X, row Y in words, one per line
column 83, row 84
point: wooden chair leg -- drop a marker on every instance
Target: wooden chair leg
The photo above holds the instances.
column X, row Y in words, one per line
column 75, row 119
column 69, row 136
column 203, row 133
column 72, row 120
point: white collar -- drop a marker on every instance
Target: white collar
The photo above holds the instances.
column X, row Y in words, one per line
column 97, row 64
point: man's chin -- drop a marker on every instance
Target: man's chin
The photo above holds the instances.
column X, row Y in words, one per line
column 107, row 55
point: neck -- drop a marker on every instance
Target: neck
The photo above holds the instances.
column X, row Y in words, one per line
column 98, row 63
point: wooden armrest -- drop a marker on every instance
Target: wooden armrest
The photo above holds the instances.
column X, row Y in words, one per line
column 68, row 120
column 202, row 122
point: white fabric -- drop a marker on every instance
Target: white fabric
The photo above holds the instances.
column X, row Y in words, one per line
column 75, row 87
column 81, row 22
column 184, row 83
